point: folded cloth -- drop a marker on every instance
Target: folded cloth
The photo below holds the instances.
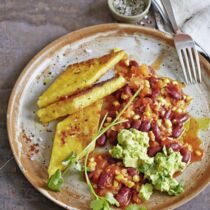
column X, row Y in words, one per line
column 193, row 17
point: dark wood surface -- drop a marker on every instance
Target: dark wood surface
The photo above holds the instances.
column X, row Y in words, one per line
column 26, row 26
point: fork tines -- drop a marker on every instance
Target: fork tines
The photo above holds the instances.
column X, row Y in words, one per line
column 189, row 60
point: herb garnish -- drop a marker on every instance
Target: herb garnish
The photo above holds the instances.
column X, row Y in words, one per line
column 55, row 181
column 135, row 207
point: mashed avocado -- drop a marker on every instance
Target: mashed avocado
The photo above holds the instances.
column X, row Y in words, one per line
column 146, row 191
column 132, row 150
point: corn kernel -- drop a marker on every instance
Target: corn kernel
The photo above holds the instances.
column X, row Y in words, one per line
column 166, row 81
column 117, row 172
column 130, row 184
column 92, row 166
column 127, row 62
column 175, row 83
column 136, row 178
column 144, row 69
column 179, row 110
column 189, row 147
column 124, row 96
column 151, row 136
column 169, row 130
column 136, row 117
column 116, row 49
column 137, row 187
column 116, row 103
column 116, row 184
column 113, row 128
column 198, row 152
column 163, row 112
column 108, row 119
column 168, row 123
column 148, row 111
column 124, row 172
column 159, row 122
column 147, row 84
column 106, row 124
column 132, row 113
column 188, row 98
column 174, row 109
column 119, row 177
column 174, row 120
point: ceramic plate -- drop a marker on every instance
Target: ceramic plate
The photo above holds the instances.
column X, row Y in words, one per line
column 31, row 142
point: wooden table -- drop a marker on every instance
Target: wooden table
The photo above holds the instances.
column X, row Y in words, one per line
column 26, row 26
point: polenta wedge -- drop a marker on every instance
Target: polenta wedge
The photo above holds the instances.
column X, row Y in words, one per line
column 73, row 134
column 78, row 77
column 80, row 101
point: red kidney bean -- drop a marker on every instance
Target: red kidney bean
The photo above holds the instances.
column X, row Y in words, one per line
column 105, row 180
column 117, row 95
column 141, row 109
column 91, row 174
column 145, row 126
column 182, row 117
column 133, row 63
column 112, row 136
column 136, row 124
column 101, row 141
column 152, row 151
column 128, row 90
column 127, row 124
column 155, row 93
column 124, row 196
column 156, row 131
column 167, row 114
column 174, row 92
column 186, row 155
column 132, row 171
column 151, row 70
column 175, row 146
column 112, row 113
column 177, row 131
column 153, row 81
column 111, row 160
column 122, row 63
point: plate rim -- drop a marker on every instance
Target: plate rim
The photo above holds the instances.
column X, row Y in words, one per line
column 73, row 37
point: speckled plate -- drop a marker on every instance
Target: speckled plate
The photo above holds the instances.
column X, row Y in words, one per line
column 31, row 142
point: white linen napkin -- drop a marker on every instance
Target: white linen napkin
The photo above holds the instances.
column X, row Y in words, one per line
column 193, row 17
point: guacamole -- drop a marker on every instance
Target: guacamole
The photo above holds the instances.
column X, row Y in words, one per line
column 159, row 170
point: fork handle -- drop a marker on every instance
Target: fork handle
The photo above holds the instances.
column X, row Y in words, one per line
column 168, row 7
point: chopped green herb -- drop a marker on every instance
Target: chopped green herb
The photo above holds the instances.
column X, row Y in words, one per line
column 111, row 199
column 70, row 159
column 55, row 181
column 135, row 207
column 100, row 204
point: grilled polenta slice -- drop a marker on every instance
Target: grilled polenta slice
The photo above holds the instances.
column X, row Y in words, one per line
column 73, row 134
column 77, row 102
column 78, row 77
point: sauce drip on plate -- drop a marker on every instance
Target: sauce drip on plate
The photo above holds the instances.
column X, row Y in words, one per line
column 158, row 61
column 193, row 126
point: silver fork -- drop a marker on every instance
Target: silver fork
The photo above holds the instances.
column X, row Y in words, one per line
column 185, row 47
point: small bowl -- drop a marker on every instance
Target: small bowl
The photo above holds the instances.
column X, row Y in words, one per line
column 126, row 18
